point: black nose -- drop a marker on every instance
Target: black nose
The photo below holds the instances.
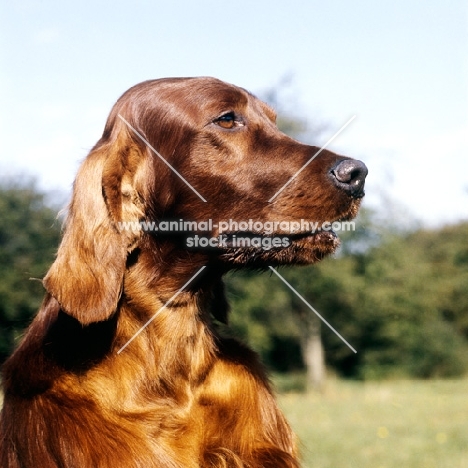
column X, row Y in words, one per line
column 349, row 175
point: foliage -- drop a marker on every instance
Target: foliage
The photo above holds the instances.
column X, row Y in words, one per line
column 399, row 301
column 403, row 304
column 29, row 236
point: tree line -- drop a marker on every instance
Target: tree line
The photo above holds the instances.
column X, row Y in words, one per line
column 401, row 302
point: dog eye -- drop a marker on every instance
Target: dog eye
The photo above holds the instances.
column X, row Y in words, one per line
column 229, row 120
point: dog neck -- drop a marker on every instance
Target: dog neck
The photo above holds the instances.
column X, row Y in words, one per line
column 167, row 324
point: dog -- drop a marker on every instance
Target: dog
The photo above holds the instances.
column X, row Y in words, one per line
column 124, row 366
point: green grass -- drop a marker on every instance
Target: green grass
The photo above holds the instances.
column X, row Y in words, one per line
column 398, row 424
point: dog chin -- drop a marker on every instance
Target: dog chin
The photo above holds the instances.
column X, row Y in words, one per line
column 299, row 249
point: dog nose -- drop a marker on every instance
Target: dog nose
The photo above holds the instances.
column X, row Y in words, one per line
column 349, row 175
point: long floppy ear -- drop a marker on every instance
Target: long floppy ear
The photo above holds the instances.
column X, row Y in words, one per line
column 87, row 275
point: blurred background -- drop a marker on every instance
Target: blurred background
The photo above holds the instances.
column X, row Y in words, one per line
column 398, row 288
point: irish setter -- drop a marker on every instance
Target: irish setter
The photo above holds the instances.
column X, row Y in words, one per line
column 124, row 366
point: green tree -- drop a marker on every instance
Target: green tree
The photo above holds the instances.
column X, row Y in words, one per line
column 29, row 235
column 405, row 306
column 402, row 302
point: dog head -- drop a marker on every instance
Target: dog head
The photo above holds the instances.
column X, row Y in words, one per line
column 207, row 157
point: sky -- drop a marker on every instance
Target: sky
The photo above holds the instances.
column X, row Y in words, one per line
column 400, row 67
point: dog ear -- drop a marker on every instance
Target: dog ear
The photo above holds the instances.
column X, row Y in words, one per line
column 87, row 275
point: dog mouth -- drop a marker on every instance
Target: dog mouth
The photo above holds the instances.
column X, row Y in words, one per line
column 277, row 241
column 320, row 235
column 258, row 250
column 301, row 246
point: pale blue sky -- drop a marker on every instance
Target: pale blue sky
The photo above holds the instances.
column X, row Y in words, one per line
column 400, row 66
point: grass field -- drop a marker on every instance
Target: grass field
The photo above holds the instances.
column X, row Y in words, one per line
column 401, row 424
